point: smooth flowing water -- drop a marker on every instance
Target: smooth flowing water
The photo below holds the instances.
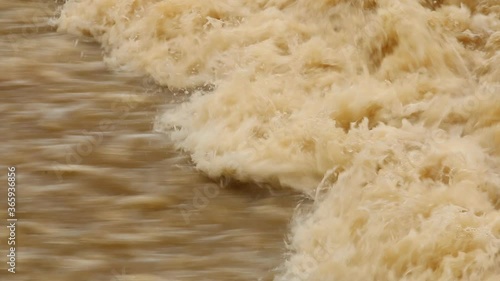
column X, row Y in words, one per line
column 253, row 140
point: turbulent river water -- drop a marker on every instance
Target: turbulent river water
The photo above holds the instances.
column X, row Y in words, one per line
column 253, row 140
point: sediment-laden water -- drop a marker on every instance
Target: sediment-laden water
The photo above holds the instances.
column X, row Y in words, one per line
column 182, row 152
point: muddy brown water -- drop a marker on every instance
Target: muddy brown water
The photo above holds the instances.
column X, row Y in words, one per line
column 100, row 195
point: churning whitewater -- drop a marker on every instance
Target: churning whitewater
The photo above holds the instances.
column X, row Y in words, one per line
column 386, row 113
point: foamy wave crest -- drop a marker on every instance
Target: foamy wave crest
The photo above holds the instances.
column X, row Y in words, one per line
column 385, row 112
